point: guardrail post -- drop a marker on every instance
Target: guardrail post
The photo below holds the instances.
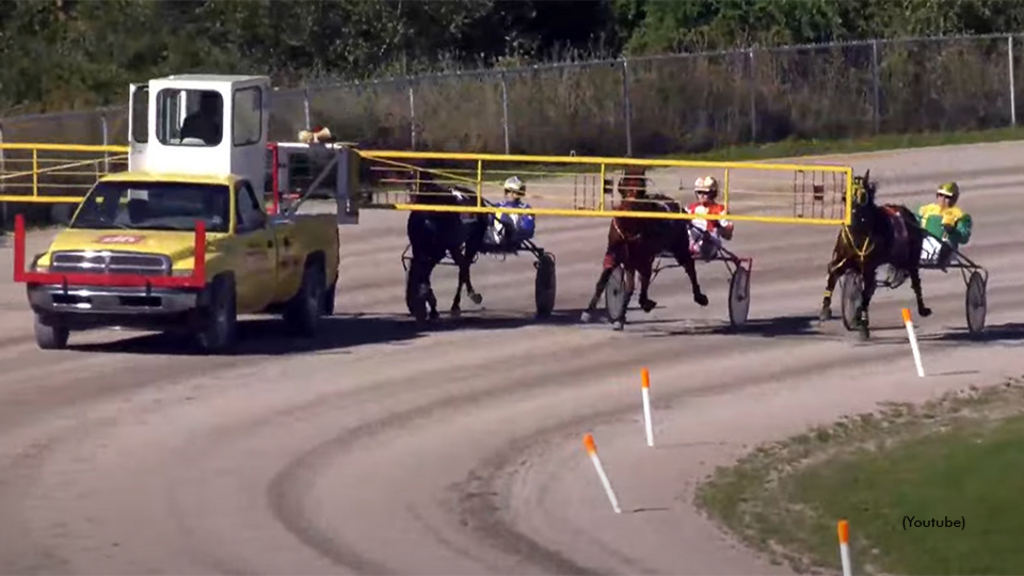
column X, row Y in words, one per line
column 35, row 172
column 412, row 116
column 3, row 186
column 876, row 88
column 1013, row 91
column 627, row 108
column 753, row 97
column 479, row 183
column 305, row 107
column 106, row 142
column 725, row 185
column 504, row 109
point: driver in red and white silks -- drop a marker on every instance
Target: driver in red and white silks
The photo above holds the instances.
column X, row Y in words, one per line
column 706, row 235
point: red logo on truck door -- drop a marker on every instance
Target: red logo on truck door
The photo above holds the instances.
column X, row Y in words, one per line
column 120, row 239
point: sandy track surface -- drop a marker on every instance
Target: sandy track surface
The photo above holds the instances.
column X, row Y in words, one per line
column 381, row 449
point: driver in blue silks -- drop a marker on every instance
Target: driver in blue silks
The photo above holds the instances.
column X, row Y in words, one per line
column 511, row 229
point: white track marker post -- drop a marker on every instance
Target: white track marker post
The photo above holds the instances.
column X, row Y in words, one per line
column 588, row 442
column 844, row 547
column 913, row 341
column 645, row 389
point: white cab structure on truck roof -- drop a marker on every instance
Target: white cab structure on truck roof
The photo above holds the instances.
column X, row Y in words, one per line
column 200, row 124
column 217, row 124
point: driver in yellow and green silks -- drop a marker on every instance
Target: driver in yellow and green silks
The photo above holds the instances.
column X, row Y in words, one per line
column 945, row 220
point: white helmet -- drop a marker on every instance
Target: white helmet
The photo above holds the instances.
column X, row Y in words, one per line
column 515, row 186
column 707, row 184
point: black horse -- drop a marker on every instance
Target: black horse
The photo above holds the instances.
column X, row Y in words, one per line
column 434, row 234
column 877, row 235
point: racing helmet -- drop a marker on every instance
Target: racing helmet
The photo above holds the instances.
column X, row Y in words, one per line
column 950, row 190
column 515, row 187
column 707, row 185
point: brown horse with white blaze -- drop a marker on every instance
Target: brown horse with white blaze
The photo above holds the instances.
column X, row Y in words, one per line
column 634, row 244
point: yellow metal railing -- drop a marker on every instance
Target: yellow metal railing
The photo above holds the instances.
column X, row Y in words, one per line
column 573, row 186
column 55, row 173
column 580, row 186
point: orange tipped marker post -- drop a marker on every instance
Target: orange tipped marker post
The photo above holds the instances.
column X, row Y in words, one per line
column 844, row 547
column 645, row 389
column 588, row 443
column 913, row 341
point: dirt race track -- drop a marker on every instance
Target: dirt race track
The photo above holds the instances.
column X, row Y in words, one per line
column 385, row 450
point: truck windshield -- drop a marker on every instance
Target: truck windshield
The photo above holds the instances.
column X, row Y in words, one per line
column 154, row 206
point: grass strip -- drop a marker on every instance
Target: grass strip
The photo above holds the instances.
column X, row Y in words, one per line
column 957, row 457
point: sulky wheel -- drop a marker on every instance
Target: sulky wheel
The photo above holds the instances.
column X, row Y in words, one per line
column 545, row 285
column 739, row 296
column 853, row 292
column 976, row 303
column 614, row 293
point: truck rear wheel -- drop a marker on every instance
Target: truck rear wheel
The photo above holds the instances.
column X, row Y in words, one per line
column 53, row 336
column 329, row 297
column 304, row 311
column 219, row 327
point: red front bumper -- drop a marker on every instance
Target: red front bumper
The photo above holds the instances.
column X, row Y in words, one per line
column 196, row 280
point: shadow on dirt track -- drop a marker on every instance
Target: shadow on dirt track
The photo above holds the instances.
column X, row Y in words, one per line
column 339, row 333
column 993, row 333
column 764, row 328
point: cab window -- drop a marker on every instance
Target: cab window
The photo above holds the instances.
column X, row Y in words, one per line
column 189, row 117
column 140, row 115
column 154, row 206
column 247, row 120
column 248, row 213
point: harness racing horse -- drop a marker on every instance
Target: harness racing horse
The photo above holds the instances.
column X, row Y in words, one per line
column 886, row 234
column 432, row 235
column 634, row 243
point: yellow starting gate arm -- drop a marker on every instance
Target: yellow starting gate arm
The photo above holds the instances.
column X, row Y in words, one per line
column 581, row 186
column 55, row 173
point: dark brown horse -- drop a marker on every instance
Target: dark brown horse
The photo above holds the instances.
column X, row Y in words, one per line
column 878, row 235
column 634, row 243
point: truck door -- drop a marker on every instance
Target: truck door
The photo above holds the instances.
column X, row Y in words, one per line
column 258, row 247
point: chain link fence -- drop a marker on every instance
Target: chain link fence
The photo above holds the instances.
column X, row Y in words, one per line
column 643, row 106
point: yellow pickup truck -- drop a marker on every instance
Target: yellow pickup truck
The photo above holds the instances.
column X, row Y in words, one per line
column 128, row 258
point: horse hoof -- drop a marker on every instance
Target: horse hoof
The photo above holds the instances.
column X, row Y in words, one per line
column 585, row 317
column 476, row 298
column 434, row 315
column 456, row 312
column 825, row 314
column 865, row 334
column 700, row 299
column 925, row 312
column 618, row 325
column 648, row 305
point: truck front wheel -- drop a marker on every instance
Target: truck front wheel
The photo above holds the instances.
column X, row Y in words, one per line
column 53, row 336
column 219, row 325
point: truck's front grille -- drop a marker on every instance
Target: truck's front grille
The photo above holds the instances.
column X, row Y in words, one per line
column 111, row 263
